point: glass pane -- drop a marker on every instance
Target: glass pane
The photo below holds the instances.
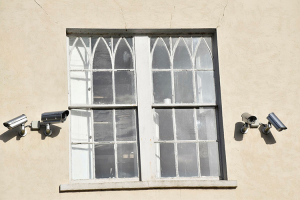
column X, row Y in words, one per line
column 162, row 87
column 167, row 42
column 203, row 59
column 104, row 161
column 95, row 39
column 103, row 125
column 80, row 85
column 188, row 41
column 129, row 40
column 182, row 58
column 164, row 124
column 184, row 87
column 205, row 87
column 167, row 160
column 206, row 122
column 209, row 159
column 71, row 41
column 209, row 43
column 115, row 42
column 102, row 86
column 102, row 58
column 86, row 41
column 165, row 39
column 82, row 161
column 174, row 40
column 195, row 43
column 80, row 125
column 152, row 41
column 108, row 42
column 125, row 87
column 93, row 42
column 187, row 159
column 123, row 57
column 79, row 58
column 125, row 122
column 127, row 160
column 185, row 124
column 161, row 59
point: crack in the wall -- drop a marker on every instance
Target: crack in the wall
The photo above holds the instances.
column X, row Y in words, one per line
column 222, row 16
column 121, row 13
column 41, row 7
column 172, row 16
column 44, row 11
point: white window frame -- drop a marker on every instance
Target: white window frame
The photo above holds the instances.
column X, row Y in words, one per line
column 147, row 161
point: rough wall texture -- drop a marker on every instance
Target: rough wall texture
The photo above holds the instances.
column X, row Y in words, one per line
column 259, row 48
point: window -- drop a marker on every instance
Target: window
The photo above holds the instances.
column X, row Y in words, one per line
column 144, row 107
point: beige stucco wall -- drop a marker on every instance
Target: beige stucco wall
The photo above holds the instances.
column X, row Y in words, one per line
column 259, row 48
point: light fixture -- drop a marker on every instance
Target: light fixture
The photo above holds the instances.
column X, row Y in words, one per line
column 47, row 118
column 54, row 117
column 251, row 121
column 16, row 122
column 273, row 120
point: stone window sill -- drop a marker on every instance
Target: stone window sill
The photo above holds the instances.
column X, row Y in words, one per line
column 90, row 186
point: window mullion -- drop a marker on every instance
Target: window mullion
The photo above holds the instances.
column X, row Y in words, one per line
column 114, row 111
column 113, row 78
column 69, row 70
column 115, row 144
column 145, row 113
column 91, row 122
column 172, row 71
column 173, row 110
column 197, row 139
column 195, row 113
column 175, row 141
column 93, row 144
column 91, row 71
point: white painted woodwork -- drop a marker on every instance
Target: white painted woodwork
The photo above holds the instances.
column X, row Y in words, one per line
column 145, row 114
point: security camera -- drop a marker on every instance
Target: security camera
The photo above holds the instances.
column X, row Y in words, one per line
column 273, row 120
column 55, row 117
column 52, row 118
column 250, row 121
column 15, row 122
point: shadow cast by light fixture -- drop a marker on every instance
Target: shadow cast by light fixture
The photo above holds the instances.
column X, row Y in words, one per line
column 269, row 139
column 10, row 134
column 238, row 136
column 55, row 131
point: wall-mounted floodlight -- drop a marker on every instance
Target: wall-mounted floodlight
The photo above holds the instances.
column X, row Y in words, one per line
column 251, row 121
column 15, row 122
column 273, row 120
column 53, row 118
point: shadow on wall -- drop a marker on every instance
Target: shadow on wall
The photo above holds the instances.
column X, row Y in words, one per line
column 10, row 134
column 238, row 136
column 269, row 139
